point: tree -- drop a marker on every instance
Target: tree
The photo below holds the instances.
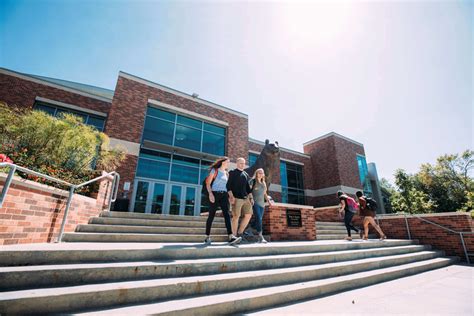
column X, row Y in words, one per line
column 448, row 183
column 63, row 147
column 387, row 190
column 408, row 198
column 447, row 186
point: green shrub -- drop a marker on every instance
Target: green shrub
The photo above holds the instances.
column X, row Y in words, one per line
column 63, row 147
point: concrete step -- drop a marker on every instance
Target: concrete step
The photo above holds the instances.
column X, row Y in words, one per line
column 95, row 228
column 158, row 216
column 76, row 274
column 331, row 223
column 67, row 299
column 128, row 237
column 330, row 227
column 146, row 222
column 255, row 299
column 342, row 236
column 330, row 231
column 68, row 253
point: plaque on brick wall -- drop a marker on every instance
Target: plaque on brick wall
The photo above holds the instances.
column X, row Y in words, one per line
column 293, row 218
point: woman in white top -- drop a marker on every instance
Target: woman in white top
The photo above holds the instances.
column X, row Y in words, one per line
column 216, row 186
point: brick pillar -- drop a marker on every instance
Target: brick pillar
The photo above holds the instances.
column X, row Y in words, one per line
column 275, row 222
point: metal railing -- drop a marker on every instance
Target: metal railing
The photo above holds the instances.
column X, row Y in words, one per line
column 115, row 178
column 461, row 234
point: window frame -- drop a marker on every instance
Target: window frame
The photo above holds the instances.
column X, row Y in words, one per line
column 298, row 170
column 70, row 111
column 202, row 130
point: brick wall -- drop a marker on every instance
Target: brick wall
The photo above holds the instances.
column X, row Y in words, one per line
column 33, row 213
column 275, row 223
column 327, row 214
column 326, row 200
column 346, row 153
column 429, row 234
column 127, row 174
column 21, row 92
column 334, row 161
column 394, row 226
column 127, row 116
column 323, row 159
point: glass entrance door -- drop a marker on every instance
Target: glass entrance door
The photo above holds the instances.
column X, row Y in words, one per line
column 158, row 198
column 183, row 200
column 141, row 196
column 175, row 200
column 190, row 201
column 165, row 198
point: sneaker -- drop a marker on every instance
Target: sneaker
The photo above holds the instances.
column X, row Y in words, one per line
column 348, row 238
column 208, row 240
column 234, row 240
column 261, row 240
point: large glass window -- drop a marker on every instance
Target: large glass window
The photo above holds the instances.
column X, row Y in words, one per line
column 292, row 184
column 252, row 158
column 185, row 169
column 89, row 119
column 154, row 164
column 158, row 130
column 364, row 175
column 187, row 137
column 180, row 131
column 213, row 144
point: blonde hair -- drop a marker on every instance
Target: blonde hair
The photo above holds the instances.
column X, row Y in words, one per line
column 263, row 178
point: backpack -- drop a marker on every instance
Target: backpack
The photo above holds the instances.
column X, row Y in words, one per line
column 371, row 203
column 351, row 204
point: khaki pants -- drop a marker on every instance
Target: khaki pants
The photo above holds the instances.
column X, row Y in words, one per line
column 241, row 206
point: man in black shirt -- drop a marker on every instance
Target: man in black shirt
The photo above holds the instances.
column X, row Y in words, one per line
column 240, row 197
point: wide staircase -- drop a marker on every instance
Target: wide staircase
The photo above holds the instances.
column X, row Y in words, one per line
column 335, row 231
column 192, row 279
column 139, row 227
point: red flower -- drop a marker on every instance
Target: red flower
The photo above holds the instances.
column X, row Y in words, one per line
column 4, row 158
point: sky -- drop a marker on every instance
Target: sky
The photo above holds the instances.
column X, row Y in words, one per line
column 396, row 76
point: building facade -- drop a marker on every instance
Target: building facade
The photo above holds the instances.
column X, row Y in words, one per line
column 171, row 138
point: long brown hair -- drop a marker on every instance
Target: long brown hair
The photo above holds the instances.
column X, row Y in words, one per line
column 218, row 163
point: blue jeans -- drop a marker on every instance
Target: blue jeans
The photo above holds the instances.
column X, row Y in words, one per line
column 258, row 212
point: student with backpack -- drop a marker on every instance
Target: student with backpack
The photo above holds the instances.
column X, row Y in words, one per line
column 368, row 207
column 216, row 186
column 350, row 208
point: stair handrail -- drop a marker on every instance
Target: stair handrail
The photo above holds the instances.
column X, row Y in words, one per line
column 113, row 176
column 461, row 234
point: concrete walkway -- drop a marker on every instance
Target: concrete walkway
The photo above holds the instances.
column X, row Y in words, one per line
column 151, row 245
column 446, row 291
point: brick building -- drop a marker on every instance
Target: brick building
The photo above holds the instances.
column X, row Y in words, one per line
column 171, row 138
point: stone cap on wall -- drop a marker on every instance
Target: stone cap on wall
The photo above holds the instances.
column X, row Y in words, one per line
column 286, row 205
column 39, row 186
column 380, row 216
column 326, row 207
